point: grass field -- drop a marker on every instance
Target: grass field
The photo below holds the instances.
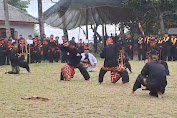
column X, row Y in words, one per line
column 79, row 99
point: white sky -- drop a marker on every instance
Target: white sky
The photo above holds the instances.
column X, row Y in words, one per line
column 33, row 10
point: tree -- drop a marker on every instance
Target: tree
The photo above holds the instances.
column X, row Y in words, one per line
column 22, row 5
column 155, row 15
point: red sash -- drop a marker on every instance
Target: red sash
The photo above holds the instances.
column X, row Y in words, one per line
column 115, row 76
column 141, row 47
column 68, row 72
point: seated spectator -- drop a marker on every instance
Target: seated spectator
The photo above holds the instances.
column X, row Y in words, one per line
column 89, row 61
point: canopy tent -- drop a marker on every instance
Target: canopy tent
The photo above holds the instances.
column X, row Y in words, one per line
column 70, row 14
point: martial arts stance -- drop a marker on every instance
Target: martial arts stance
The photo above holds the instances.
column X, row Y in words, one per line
column 16, row 62
column 74, row 58
column 153, row 77
column 111, row 64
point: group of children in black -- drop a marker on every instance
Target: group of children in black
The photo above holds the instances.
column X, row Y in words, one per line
column 153, row 74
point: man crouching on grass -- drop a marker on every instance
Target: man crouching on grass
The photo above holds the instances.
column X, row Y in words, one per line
column 74, row 58
column 16, row 62
column 153, row 76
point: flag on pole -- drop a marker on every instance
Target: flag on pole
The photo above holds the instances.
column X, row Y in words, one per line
column 84, row 33
column 141, row 28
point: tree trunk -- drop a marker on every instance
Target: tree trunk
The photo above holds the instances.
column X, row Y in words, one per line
column 121, row 28
column 41, row 21
column 162, row 26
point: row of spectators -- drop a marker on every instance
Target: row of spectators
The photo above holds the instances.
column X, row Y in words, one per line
column 49, row 49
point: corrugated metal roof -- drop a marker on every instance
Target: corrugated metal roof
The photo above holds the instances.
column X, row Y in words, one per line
column 16, row 14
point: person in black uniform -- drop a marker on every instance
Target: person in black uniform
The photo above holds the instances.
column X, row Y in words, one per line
column 153, row 46
column 174, row 48
column 166, row 48
column 160, row 46
column 63, row 50
column 111, row 61
column 2, row 52
column 81, row 46
column 153, row 76
column 129, row 46
column 74, row 58
column 141, row 48
column 115, row 38
column 45, row 48
column 52, row 49
column 16, row 62
column 35, row 52
column 57, row 50
column 120, row 42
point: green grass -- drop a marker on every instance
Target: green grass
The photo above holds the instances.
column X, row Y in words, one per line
column 78, row 99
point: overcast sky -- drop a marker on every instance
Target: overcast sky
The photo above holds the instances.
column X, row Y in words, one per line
column 33, row 10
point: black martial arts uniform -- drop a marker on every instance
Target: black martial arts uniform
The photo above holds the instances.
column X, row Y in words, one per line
column 74, row 61
column 16, row 63
column 2, row 54
column 164, row 63
column 141, row 49
column 166, row 49
column 35, row 54
column 153, row 77
column 110, row 55
column 129, row 47
column 64, row 57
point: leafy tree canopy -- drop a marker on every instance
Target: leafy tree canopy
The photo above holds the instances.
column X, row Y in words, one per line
column 22, row 5
column 155, row 15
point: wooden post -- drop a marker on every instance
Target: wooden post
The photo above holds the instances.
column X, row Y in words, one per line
column 6, row 14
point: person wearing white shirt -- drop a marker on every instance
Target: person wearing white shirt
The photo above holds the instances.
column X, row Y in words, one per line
column 88, row 60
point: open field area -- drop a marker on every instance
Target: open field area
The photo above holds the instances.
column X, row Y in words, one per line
column 78, row 99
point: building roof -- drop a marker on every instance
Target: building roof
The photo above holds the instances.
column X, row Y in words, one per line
column 16, row 15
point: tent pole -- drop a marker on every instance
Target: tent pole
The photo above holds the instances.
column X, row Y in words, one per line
column 95, row 39
column 65, row 32
column 79, row 33
column 87, row 31
column 103, row 35
column 87, row 24
column 106, row 33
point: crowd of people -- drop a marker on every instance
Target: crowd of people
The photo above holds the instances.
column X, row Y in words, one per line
column 51, row 50
column 116, row 56
column 36, row 51
column 166, row 45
